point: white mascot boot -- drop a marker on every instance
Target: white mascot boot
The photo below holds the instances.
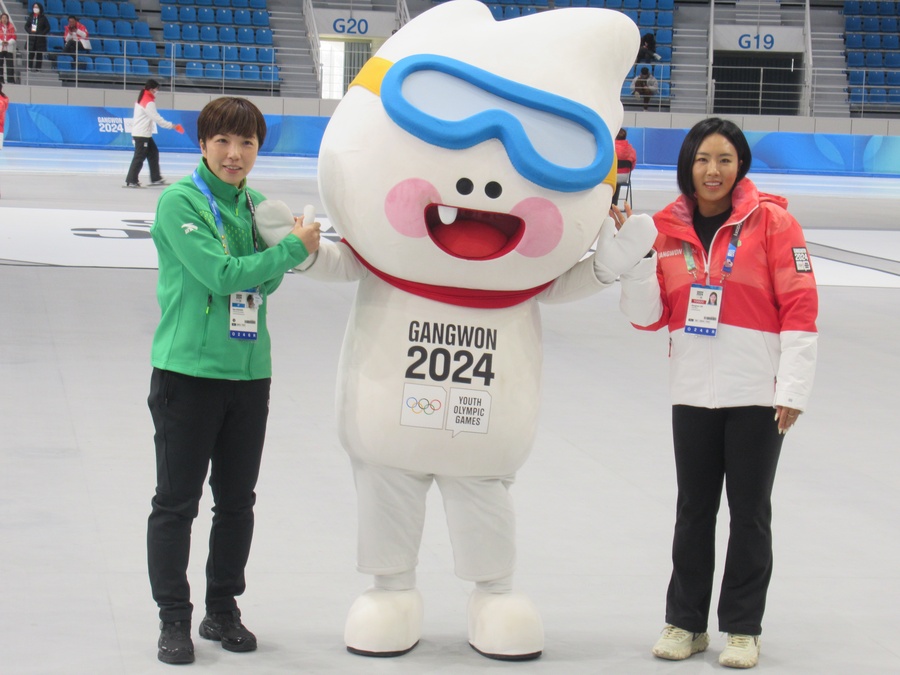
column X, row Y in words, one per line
column 505, row 626
column 384, row 623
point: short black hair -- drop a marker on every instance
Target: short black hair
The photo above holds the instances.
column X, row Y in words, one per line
column 231, row 115
column 696, row 136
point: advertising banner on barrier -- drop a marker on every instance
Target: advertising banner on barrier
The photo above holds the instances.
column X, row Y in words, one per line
column 110, row 128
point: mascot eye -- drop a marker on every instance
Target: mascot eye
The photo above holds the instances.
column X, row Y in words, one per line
column 493, row 189
column 464, row 186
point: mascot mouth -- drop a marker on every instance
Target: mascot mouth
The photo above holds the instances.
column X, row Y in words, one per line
column 471, row 234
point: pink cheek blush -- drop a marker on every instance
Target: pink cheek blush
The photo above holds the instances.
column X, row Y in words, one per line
column 405, row 205
column 543, row 226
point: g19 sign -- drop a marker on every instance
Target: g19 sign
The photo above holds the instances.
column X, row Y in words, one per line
column 731, row 38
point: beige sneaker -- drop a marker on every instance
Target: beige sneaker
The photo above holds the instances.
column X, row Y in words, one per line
column 676, row 644
column 742, row 651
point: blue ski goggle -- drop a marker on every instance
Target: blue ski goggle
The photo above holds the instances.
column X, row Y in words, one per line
column 552, row 141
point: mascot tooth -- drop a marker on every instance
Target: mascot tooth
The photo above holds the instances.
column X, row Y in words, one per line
column 469, row 169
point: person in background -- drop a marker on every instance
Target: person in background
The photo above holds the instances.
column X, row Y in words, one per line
column 37, row 26
column 75, row 37
column 143, row 126
column 731, row 372
column 212, row 369
column 7, row 49
column 647, row 51
column 624, row 151
column 645, row 86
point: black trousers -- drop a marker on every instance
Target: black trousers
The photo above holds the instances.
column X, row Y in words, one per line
column 739, row 446
column 8, row 60
column 201, row 422
column 144, row 148
column 37, row 45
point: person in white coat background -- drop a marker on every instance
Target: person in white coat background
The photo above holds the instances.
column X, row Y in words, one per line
column 146, row 119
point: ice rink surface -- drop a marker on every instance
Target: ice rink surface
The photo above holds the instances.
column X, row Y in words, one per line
column 595, row 501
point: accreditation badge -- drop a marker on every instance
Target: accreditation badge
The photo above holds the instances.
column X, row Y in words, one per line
column 244, row 314
column 704, row 305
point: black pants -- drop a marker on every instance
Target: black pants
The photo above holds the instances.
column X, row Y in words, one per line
column 741, row 446
column 199, row 422
column 8, row 60
column 144, row 148
column 37, row 45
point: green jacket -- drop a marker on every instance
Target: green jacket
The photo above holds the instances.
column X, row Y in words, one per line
column 197, row 276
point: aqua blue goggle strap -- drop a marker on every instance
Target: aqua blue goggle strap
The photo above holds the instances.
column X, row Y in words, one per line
column 551, row 140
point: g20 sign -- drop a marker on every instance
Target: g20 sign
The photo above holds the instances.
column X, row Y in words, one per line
column 350, row 26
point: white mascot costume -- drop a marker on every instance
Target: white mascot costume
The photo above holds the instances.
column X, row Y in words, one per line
column 469, row 169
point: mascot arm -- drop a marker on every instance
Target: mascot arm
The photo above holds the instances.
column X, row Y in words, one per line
column 641, row 301
column 579, row 282
column 333, row 262
column 618, row 252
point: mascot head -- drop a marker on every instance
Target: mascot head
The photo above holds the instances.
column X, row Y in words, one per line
column 479, row 154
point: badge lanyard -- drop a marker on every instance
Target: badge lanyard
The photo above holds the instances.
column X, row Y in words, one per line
column 244, row 306
column 705, row 301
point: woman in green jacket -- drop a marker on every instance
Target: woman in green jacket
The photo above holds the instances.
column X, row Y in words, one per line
column 212, row 368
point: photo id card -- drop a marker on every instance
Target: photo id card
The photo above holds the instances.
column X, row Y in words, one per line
column 244, row 314
column 704, row 304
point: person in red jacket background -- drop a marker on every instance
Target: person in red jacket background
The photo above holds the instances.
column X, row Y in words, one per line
column 7, row 48
column 624, row 152
column 734, row 362
column 75, row 37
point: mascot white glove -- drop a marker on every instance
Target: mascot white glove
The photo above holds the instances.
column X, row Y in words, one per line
column 618, row 252
column 275, row 221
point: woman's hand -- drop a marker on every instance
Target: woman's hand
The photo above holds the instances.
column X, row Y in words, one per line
column 618, row 217
column 786, row 417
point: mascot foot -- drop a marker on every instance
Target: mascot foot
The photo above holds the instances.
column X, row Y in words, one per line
column 505, row 626
column 384, row 623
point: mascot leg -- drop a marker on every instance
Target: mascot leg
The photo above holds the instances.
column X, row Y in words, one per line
column 386, row 620
column 503, row 624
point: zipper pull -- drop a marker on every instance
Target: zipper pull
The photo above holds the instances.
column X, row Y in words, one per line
column 208, row 302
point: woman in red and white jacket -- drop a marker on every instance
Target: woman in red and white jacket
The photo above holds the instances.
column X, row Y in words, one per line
column 7, row 48
column 730, row 276
column 143, row 126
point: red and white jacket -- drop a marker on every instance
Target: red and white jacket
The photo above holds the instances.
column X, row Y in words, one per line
column 146, row 117
column 764, row 352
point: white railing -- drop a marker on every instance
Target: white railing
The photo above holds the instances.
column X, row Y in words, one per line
column 312, row 33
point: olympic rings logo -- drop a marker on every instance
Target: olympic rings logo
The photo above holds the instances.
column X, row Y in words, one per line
column 423, row 405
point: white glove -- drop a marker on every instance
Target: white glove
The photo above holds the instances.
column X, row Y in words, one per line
column 618, row 252
column 274, row 221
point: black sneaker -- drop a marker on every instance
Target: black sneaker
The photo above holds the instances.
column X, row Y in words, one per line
column 161, row 181
column 175, row 644
column 227, row 628
column 133, row 185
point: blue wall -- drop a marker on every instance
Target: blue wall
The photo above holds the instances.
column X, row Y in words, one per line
column 781, row 152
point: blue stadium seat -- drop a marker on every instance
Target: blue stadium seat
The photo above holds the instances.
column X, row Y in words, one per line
column 871, row 24
column 856, row 59
column 851, row 41
column 240, row 4
column 106, row 28
column 261, row 18
column 199, row 3
column 171, row 32
column 893, row 78
column 148, row 50
column 64, row 63
column 243, row 17
column 874, row 60
column 856, row 78
column 54, row 43
column 127, row 11
column 90, row 9
column 856, row 95
column 192, row 52
column 231, row 53
column 894, row 96
column 73, row 7
column 665, row 53
column 168, row 13
column 210, row 52
column 221, row 3
column 172, row 50
column 888, row 24
column 165, row 68
column 124, row 29
column 232, row 71
column 85, row 63
column 193, row 69
column 250, row 71
column 132, row 48
column 664, row 36
column 890, row 41
column 224, row 17
column 662, row 72
column 666, row 5
column 496, row 12
column 246, row 36
column 111, row 47
column 190, row 32
column 872, row 41
column 206, row 15
column 121, row 66
column 270, row 74
column 574, row 3
column 853, row 24
column 648, row 4
column 212, row 71
column 665, row 19
column 103, row 65
column 892, row 60
column 851, row 7
column 209, row 34
column 887, row 8
column 56, row 7
column 91, row 26
column 187, row 14
column 258, row 4
column 875, row 78
column 265, row 55
column 877, row 95
column 631, row 4
column 868, row 7
column 140, row 67
column 248, row 54
column 109, row 10
column 264, row 36
column 631, row 14
column 227, row 34
column 511, row 11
